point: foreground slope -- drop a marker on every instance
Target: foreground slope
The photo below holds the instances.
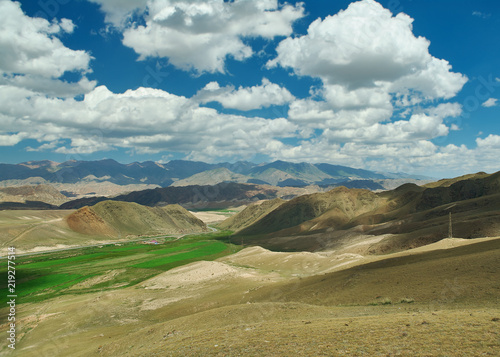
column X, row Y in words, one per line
column 414, row 303
column 464, row 274
column 440, row 302
column 117, row 219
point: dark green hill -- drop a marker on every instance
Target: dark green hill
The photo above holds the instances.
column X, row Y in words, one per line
column 449, row 182
column 460, row 190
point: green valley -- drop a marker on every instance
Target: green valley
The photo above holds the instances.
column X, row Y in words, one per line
column 78, row 271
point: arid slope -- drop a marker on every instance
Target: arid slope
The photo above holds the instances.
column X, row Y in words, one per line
column 344, row 202
column 250, row 215
column 117, row 219
column 409, row 216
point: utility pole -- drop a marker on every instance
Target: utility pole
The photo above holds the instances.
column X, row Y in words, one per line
column 450, row 231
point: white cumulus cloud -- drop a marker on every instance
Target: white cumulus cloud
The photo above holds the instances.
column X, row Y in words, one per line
column 380, row 101
column 10, row 140
column 144, row 120
column 419, row 127
column 255, row 97
column 366, row 47
column 33, row 56
column 201, row 35
column 119, row 12
column 370, row 64
column 30, row 45
column 492, row 102
column 490, row 142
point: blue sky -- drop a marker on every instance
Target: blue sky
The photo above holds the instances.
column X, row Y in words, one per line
column 409, row 86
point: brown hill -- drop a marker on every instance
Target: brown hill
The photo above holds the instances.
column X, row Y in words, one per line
column 409, row 216
column 86, row 221
column 116, row 219
column 195, row 197
column 250, row 215
column 342, row 204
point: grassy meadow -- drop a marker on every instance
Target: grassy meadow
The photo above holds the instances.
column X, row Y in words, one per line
column 105, row 267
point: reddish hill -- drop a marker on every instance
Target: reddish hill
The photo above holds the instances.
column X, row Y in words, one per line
column 86, row 221
column 112, row 218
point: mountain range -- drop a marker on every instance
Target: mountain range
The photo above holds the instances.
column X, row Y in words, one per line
column 186, row 173
column 194, row 197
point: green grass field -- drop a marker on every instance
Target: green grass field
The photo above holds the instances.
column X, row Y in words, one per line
column 189, row 255
column 79, row 271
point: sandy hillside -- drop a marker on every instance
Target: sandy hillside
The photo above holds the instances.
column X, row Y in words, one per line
column 116, row 219
column 290, row 264
column 199, row 273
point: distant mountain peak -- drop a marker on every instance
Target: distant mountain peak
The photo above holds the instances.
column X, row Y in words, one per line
column 277, row 173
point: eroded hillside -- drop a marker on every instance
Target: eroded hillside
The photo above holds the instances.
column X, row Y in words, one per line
column 406, row 217
column 117, row 219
